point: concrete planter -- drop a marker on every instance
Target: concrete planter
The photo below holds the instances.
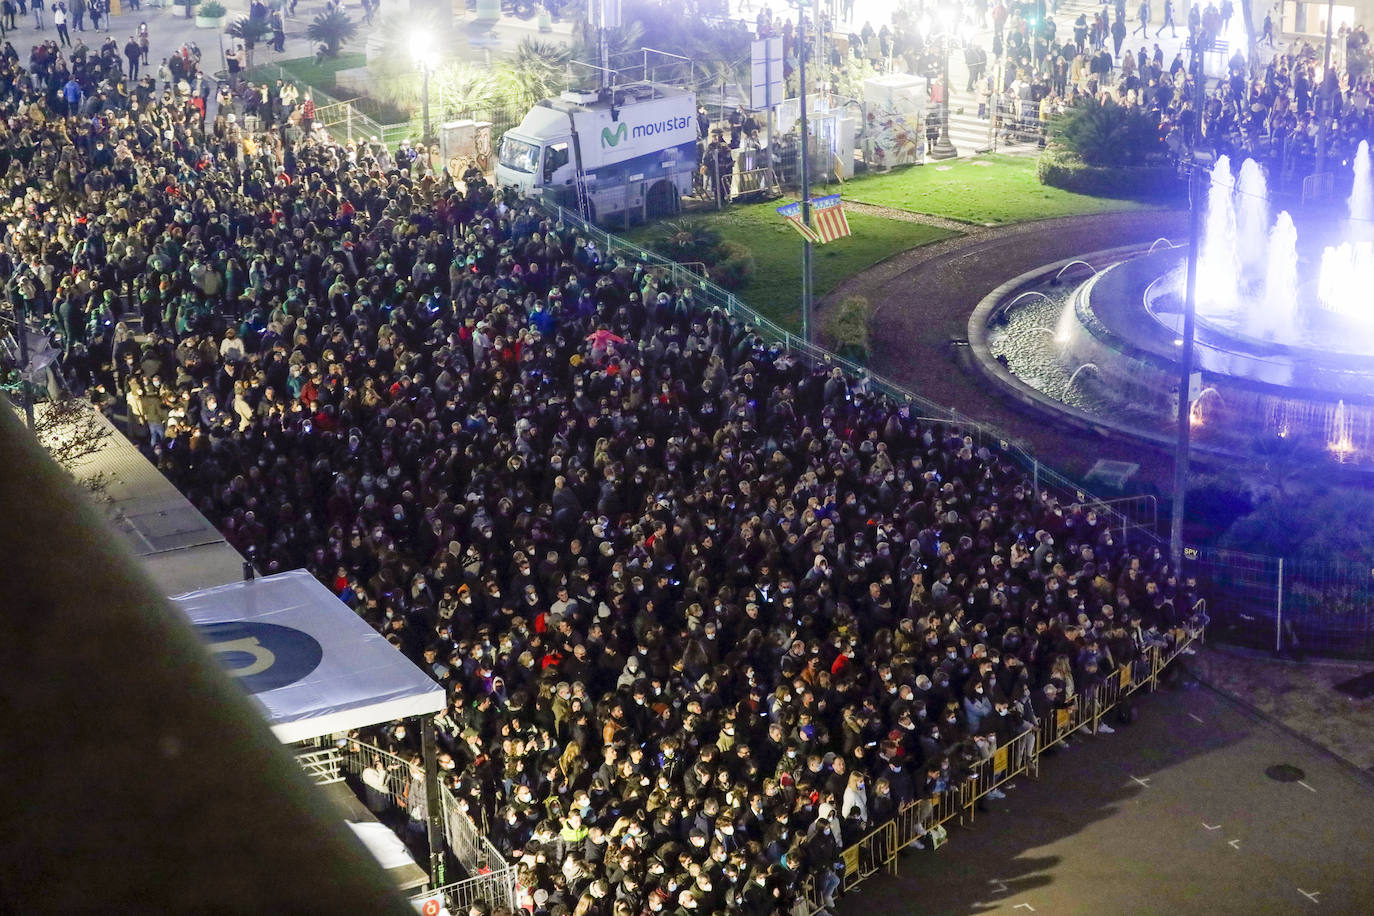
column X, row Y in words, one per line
column 211, row 22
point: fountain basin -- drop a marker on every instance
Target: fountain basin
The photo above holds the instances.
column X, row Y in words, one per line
column 1124, row 322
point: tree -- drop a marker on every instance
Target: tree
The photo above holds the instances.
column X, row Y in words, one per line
column 250, row 31
column 1107, row 134
column 331, row 29
column 68, row 429
column 688, row 241
column 1332, row 526
column 702, row 249
column 538, row 70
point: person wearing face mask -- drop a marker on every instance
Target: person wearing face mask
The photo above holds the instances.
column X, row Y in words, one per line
column 977, row 703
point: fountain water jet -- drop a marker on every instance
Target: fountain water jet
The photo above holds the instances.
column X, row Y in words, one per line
column 1252, row 219
column 1361, row 201
column 1339, row 440
column 1073, row 378
column 1216, row 286
column 1279, row 316
column 1066, row 267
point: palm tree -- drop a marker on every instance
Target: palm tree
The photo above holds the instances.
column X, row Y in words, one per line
column 331, row 29
column 250, row 31
column 538, row 70
column 1106, row 134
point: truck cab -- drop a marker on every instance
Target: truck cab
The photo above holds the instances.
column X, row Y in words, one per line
column 537, row 154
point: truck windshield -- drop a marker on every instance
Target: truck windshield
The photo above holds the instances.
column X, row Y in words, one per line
column 519, row 155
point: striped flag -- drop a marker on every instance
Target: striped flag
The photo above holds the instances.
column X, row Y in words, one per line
column 792, row 213
column 828, row 214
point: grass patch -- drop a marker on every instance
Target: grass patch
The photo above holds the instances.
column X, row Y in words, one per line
column 321, row 75
column 304, row 71
column 990, row 190
column 775, row 288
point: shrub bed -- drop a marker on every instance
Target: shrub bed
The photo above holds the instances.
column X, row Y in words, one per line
column 1060, row 169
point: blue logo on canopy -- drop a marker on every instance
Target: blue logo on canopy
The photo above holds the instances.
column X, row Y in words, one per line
column 263, row 656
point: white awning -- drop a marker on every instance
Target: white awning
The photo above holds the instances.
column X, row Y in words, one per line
column 312, row 664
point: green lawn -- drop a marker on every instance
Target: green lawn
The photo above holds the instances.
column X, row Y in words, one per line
column 990, row 190
column 305, row 70
column 775, row 289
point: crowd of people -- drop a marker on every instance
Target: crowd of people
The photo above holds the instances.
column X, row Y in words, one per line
column 1022, row 68
column 705, row 613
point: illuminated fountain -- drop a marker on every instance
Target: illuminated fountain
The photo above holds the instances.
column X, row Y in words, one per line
column 1284, row 332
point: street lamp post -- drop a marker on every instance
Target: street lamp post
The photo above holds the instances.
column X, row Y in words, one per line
column 1185, row 412
column 1324, row 96
column 425, row 53
column 944, row 148
column 424, row 90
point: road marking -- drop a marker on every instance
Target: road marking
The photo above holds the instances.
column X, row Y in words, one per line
column 1210, row 827
column 999, row 886
column 1306, row 786
column 1144, row 782
column 1025, row 906
column 1234, row 844
column 1310, row 895
column 1194, row 718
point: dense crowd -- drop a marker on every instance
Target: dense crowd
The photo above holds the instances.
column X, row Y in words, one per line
column 1023, row 67
column 706, row 613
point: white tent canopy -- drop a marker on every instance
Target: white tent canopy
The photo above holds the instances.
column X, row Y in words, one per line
column 312, row 664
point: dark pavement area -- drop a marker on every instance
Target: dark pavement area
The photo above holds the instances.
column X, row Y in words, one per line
column 923, row 298
column 1171, row 815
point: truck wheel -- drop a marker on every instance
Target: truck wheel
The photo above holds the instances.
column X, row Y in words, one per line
column 663, row 200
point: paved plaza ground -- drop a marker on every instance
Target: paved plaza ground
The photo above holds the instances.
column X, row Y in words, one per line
column 1171, row 815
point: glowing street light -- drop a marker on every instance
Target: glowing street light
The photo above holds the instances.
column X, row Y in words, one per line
column 426, row 57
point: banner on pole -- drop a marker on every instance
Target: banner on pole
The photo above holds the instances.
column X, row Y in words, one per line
column 792, row 213
column 831, row 223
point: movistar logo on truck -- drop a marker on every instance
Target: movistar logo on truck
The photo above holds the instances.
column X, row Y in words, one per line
column 661, row 127
column 608, row 138
column 623, row 131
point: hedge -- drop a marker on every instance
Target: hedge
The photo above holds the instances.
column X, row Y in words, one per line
column 1059, row 169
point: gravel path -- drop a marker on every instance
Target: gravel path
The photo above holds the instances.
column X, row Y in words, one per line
column 922, row 299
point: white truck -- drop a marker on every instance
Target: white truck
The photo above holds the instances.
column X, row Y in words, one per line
column 630, row 150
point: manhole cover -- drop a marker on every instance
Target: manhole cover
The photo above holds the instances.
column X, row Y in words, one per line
column 1284, row 772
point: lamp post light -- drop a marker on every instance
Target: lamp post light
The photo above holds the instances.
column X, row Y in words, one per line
column 805, row 171
column 425, row 56
column 943, row 148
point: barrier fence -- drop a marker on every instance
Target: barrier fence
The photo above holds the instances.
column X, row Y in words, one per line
column 1290, row 607
column 389, row 786
column 925, row 818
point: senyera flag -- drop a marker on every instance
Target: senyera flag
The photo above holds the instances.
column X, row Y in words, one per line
column 828, row 215
column 792, row 213
column 828, row 221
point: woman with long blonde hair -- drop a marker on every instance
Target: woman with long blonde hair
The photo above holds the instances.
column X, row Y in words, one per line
column 1062, row 670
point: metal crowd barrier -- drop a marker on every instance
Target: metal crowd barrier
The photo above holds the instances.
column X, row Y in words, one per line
column 878, row 851
column 490, row 877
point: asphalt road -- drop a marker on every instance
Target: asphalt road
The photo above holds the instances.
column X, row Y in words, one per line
column 1173, row 815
